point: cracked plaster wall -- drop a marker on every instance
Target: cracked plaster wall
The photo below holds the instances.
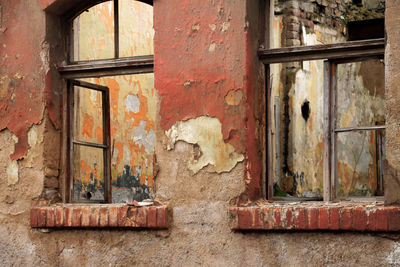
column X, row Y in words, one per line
column 199, row 232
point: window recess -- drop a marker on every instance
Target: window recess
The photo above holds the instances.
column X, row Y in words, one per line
column 110, row 103
column 325, row 115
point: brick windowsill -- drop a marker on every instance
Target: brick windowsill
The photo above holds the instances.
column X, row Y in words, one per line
column 317, row 216
column 98, row 216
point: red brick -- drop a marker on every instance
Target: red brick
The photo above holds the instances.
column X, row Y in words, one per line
column 359, row 219
column 268, row 218
column 313, row 218
column 162, row 217
column 85, row 220
column 113, row 216
column 289, row 218
column 42, row 217
column 59, row 216
column 141, row 217
column 334, row 219
column 300, row 219
column 245, row 218
column 68, row 216
column 278, row 218
column 103, row 220
column 323, row 220
column 122, row 211
column 94, row 220
column 257, row 220
column 371, row 220
column 381, row 220
column 393, row 219
column 34, row 217
column 152, row 217
column 346, row 220
column 76, row 216
column 131, row 217
column 50, row 217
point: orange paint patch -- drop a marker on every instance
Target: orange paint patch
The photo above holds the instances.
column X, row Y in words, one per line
column 87, row 126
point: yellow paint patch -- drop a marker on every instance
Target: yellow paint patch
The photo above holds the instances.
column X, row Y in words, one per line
column 4, row 83
column 234, row 97
column 207, row 134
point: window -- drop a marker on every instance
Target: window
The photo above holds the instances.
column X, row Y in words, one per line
column 331, row 143
column 110, row 103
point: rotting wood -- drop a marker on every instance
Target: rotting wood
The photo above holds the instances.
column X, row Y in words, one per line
column 352, row 49
column 109, row 67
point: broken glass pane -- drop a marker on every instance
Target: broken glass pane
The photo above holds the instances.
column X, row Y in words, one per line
column 360, row 94
column 360, row 156
column 88, row 173
column 133, row 112
column 297, row 98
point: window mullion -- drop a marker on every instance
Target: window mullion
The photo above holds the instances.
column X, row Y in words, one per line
column 116, row 29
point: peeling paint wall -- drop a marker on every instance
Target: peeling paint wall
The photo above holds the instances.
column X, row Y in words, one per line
column 198, row 232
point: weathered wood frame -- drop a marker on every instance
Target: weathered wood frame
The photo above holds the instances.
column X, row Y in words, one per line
column 105, row 93
column 71, row 70
column 332, row 55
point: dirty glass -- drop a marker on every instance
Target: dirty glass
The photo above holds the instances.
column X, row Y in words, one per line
column 359, row 163
column 136, row 31
column 133, row 111
column 360, row 102
column 93, row 33
column 88, row 115
column 297, row 97
column 88, row 173
column 360, row 94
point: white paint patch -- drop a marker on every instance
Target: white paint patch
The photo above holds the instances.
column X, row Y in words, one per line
column 127, row 156
column 212, row 47
column 225, row 26
column 207, row 133
column 132, row 103
column 394, row 255
column 12, row 173
column 144, row 138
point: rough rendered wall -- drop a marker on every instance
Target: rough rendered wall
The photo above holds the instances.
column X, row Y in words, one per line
column 199, row 233
column 392, row 59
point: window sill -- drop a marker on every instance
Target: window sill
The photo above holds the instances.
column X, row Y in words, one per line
column 98, row 216
column 317, row 216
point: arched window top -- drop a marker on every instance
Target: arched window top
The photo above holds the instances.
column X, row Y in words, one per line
column 105, row 29
column 85, row 5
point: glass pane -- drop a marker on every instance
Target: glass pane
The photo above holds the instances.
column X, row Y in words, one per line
column 360, row 156
column 297, row 125
column 136, row 31
column 133, row 112
column 88, row 173
column 304, row 23
column 93, row 33
column 360, row 94
column 88, row 115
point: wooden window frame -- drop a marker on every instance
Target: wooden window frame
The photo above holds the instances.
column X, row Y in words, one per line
column 332, row 54
column 106, row 146
column 71, row 70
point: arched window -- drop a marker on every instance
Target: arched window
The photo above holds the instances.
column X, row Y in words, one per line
column 110, row 107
